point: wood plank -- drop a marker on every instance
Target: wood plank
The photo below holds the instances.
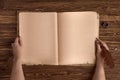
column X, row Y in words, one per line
column 7, row 40
column 7, row 16
column 113, row 38
column 8, row 27
column 7, row 19
column 8, row 12
column 1, row 4
column 109, row 18
column 99, row 6
column 67, row 72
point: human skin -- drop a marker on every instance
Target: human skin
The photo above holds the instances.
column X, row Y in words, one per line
column 17, row 70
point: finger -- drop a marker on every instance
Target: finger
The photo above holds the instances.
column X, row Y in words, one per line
column 98, row 50
column 12, row 45
column 96, row 42
column 98, row 47
column 99, row 40
column 103, row 43
column 106, row 46
column 16, row 40
column 20, row 41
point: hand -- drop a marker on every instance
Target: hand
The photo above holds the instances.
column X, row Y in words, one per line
column 99, row 50
column 17, row 48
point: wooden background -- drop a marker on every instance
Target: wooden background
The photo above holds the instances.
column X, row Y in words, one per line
column 109, row 11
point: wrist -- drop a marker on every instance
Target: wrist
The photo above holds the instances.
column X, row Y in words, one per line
column 17, row 60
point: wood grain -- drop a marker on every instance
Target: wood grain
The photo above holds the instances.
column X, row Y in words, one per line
column 109, row 11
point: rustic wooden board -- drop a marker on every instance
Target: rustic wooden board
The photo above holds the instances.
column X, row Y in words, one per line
column 109, row 12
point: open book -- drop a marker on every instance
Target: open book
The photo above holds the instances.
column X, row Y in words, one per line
column 63, row 38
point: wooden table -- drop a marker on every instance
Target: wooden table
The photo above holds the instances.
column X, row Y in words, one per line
column 109, row 12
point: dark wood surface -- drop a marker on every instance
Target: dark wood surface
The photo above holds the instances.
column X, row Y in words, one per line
column 109, row 11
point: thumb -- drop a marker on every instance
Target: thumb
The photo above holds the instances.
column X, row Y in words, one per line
column 12, row 45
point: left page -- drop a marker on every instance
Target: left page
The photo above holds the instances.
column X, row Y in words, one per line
column 38, row 31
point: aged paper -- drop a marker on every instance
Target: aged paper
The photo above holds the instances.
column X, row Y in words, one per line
column 63, row 38
column 39, row 36
column 77, row 34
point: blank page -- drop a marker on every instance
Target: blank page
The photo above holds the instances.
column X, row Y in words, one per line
column 77, row 33
column 39, row 35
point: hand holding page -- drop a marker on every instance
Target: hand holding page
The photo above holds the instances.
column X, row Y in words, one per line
column 63, row 38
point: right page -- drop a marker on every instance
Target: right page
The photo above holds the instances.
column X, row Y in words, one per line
column 77, row 34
